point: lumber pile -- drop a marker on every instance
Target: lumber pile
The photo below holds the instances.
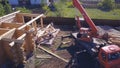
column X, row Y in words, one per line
column 114, row 35
column 47, row 35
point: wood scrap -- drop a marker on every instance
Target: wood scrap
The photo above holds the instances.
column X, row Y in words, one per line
column 43, row 56
column 47, row 35
column 53, row 54
column 114, row 35
column 50, row 40
column 107, row 29
column 115, row 41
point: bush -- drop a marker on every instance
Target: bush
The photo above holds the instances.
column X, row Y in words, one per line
column 23, row 10
column 7, row 8
column 69, row 4
column 45, row 7
column 106, row 5
column 2, row 11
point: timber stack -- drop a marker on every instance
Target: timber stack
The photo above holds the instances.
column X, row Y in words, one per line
column 17, row 42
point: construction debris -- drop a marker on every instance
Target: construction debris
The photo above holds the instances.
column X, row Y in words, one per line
column 53, row 54
column 114, row 35
column 43, row 56
column 47, row 35
column 18, row 39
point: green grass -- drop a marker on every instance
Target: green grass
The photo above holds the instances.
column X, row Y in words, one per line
column 64, row 11
column 98, row 14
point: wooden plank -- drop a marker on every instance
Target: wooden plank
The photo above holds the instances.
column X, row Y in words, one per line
column 19, row 38
column 8, row 17
column 10, row 25
column 43, row 56
column 41, row 21
column 31, row 21
column 50, row 41
column 8, row 34
column 107, row 29
column 2, row 31
column 28, row 14
column 19, row 18
column 10, row 40
column 115, row 41
column 18, row 33
column 53, row 54
column 41, row 32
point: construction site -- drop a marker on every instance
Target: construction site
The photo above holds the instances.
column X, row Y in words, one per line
column 37, row 41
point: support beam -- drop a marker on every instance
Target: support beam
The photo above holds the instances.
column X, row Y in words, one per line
column 2, row 31
column 8, row 17
column 52, row 53
column 10, row 25
column 28, row 14
column 41, row 21
column 31, row 21
column 23, row 19
column 34, row 25
column 10, row 40
column 19, row 38
column 8, row 34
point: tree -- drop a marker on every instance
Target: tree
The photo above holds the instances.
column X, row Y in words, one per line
column 2, row 12
column 7, row 7
column 107, row 5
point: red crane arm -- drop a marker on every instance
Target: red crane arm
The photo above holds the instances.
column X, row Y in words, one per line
column 77, row 4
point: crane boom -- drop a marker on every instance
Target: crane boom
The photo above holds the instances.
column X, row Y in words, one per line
column 77, row 4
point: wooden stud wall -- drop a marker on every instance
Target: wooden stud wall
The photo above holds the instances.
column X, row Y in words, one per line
column 10, row 25
column 2, row 31
column 19, row 31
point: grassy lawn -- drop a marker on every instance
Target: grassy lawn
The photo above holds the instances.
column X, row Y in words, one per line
column 64, row 11
column 98, row 14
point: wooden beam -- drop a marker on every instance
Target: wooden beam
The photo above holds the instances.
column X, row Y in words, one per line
column 8, row 34
column 41, row 21
column 28, row 14
column 10, row 25
column 34, row 25
column 23, row 19
column 2, row 31
column 52, row 53
column 19, row 38
column 10, row 40
column 8, row 16
column 30, row 22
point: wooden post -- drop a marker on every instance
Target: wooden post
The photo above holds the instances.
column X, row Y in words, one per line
column 41, row 21
column 23, row 19
column 31, row 21
column 52, row 54
column 34, row 25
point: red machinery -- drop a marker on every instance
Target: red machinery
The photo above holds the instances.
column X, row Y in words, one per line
column 92, row 31
column 108, row 56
